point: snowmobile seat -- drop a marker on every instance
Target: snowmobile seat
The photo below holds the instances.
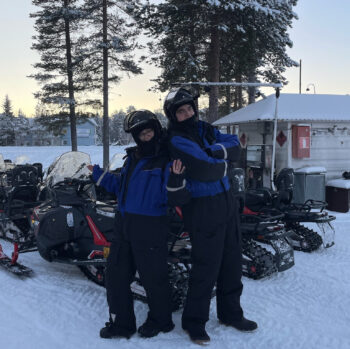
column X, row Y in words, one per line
column 23, row 175
column 256, row 199
column 26, row 193
column 285, row 185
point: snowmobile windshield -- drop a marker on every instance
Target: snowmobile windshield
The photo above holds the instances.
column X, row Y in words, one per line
column 116, row 161
column 69, row 165
column 5, row 165
column 2, row 163
column 21, row 160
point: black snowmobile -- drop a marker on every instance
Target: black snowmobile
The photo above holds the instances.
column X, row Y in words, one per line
column 72, row 227
column 301, row 238
column 258, row 230
column 18, row 196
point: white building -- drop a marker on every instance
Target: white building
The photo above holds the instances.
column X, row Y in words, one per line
column 313, row 130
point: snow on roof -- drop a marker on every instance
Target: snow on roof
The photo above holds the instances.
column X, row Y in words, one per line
column 293, row 107
column 92, row 121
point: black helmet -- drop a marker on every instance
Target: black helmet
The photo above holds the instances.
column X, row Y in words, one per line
column 138, row 120
column 175, row 99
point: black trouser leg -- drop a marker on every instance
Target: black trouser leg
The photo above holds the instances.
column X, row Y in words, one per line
column 207, row 249
column 151, row 263
column 229, row 285
column 119, row 275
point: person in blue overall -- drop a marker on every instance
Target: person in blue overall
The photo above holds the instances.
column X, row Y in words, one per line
column 141, row 236
column 210, row 214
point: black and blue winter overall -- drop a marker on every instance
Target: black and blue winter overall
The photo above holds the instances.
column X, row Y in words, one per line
column 141, row 239
column 212, row 220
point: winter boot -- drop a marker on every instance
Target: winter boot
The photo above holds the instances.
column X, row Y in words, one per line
column 197, row 334
column 150, row 329
column 112, row 330
column 243, row 325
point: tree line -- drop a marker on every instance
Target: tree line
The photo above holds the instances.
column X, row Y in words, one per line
column 16, row 126
column 87, row 45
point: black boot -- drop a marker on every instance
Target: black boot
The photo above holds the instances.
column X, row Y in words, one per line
column 112, row 330
column 243, row 325
column 150, row 329
column 197, row 334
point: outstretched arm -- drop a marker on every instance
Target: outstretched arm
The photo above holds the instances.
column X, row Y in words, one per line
column 105, row 179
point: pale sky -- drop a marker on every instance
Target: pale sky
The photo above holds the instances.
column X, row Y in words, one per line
column 320, row 37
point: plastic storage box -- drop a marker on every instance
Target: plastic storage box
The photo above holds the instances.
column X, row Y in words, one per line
column 309, row 184
column 338, row 195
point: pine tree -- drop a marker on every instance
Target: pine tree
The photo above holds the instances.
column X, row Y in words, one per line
column 218, row 40
column 260, row 42
column 111, row 42
column 61, row 72
column 7, row 124
column 118, row 136
column 178, row 39
column 7, row 107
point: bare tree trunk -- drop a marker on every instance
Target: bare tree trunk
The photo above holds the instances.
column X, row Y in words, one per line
column 72, row 116
column 228, row 99
column 105, row 128
column 192, row 49
column 238, row 94
column 251, row 90
column 251, row 73
column 214, row 69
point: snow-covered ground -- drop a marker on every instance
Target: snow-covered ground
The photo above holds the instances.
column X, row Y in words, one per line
column 307, row 306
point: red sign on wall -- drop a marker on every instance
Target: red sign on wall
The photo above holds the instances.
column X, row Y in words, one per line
column 281, row 138
column 301, row 141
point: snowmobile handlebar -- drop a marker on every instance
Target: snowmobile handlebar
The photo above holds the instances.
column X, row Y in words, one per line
column 73, row 182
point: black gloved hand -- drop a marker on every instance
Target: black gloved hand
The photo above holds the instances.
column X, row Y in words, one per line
column 175, row 180
column 177, row 174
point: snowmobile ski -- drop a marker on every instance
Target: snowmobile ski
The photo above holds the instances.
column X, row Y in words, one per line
column 11, row 265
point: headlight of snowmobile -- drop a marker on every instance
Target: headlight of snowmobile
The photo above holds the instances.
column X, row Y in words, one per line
column 33, row 221
column 105, row 252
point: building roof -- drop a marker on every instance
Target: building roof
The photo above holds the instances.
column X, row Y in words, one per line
column 293, row 107
column 92, row 121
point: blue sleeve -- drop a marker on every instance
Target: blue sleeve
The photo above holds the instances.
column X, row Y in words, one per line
column 109, row 181
column 199, row 165
column 226, row 147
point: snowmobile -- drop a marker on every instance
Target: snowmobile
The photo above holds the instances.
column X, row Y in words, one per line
column 258, row 230
column 72, row 227
column 18, row 196
column 302, row 238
